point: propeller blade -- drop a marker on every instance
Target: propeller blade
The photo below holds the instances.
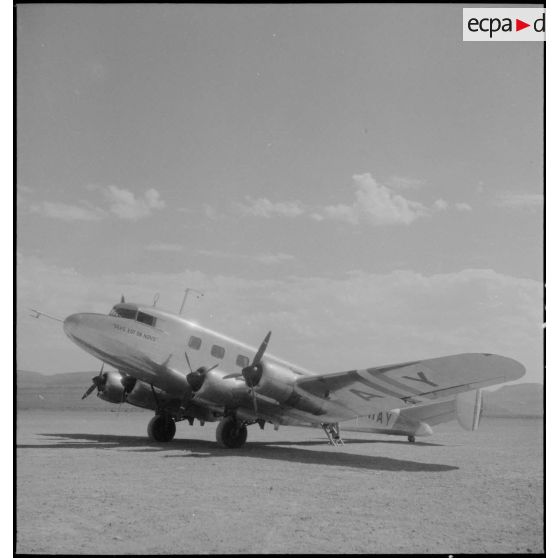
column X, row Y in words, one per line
column 261, row 350
column 93, row 386
column 254, row 401
column 96, row 382
column 197, row 378
column 253, row 373
column 188, row 361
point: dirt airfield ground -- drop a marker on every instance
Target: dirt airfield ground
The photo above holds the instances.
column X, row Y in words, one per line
column 91, row 482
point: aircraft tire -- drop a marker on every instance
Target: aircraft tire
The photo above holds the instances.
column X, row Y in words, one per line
column 411, row 439
column 161, row 428
column 231, row 434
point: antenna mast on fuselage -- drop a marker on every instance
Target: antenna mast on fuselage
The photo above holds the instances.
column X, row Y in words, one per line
column 185, row 296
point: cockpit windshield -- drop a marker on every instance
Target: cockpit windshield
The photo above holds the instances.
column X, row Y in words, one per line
column 146, row 319
column 131, row 312
column 121, row 311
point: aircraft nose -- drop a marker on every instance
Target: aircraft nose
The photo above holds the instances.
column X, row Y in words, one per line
column 71, row 324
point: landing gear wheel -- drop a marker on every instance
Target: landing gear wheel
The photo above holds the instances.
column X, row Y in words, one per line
column 231, row 433
column 411, row 439
column 161, row 428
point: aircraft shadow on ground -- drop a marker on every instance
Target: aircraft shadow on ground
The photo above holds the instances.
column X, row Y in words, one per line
column 277, row 451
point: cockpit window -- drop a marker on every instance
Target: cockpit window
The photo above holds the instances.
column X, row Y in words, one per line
column 146, row 319
column 120, row 312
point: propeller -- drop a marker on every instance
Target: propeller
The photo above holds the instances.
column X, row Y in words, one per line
column 196, row 378
column 98, row 382
column 128, row 383
column 253, row 373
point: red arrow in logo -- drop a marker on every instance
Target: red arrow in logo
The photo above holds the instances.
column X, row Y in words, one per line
column 519, row 25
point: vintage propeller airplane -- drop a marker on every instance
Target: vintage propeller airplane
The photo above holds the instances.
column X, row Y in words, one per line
column 184, row 371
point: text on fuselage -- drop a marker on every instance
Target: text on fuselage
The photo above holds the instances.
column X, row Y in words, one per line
column 136, row 332
column 381, row 417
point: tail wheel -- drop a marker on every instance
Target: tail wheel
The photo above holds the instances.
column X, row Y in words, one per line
column 161, row 428
column 231, row 433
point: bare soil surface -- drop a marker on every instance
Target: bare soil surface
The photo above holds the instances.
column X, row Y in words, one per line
column 91, row 482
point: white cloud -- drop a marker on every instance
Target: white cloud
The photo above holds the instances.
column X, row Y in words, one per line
column 375, row 204
column 68, row 212
column 125, row 205
column 441, row 204
column 216, row 253
column 340, row 212
column 164, row 247
column 121, row 202
column 520, row 201
column 265, row 258
column 272, row 259
column 404, row 182
column 316, row 217
column 262, row 207
column 210, row 212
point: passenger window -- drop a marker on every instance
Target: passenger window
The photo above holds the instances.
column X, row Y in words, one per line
column 217, row 352
column 194, row 343
column 146, row 319
column 242, row 361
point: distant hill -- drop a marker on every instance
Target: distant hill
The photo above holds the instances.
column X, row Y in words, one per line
column 61, row 391
column 64, row 391
column 516, row 400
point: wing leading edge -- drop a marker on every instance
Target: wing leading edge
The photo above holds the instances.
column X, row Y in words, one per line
column 357, row 392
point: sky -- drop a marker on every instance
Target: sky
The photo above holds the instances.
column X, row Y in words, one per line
column 355, row 178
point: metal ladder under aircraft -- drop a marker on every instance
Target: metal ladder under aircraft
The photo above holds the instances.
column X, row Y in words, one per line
column 332, row 432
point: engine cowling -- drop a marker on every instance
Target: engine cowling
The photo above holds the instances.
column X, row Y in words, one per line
column 113, row 387
column 278, row 382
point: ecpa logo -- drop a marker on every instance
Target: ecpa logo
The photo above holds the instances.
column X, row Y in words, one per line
column 503, row 24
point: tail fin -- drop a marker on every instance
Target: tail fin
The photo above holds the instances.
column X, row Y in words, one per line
column 468, row 408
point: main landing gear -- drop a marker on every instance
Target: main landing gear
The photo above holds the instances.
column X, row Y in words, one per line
column 231, row 433
column 161, row 428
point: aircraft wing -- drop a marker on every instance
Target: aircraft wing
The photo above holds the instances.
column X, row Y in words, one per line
column 358, row 392
column 432, row 414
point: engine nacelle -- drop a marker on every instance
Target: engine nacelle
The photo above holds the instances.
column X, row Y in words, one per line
column 112, row 389
column 276, row 382
column 142, row 396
